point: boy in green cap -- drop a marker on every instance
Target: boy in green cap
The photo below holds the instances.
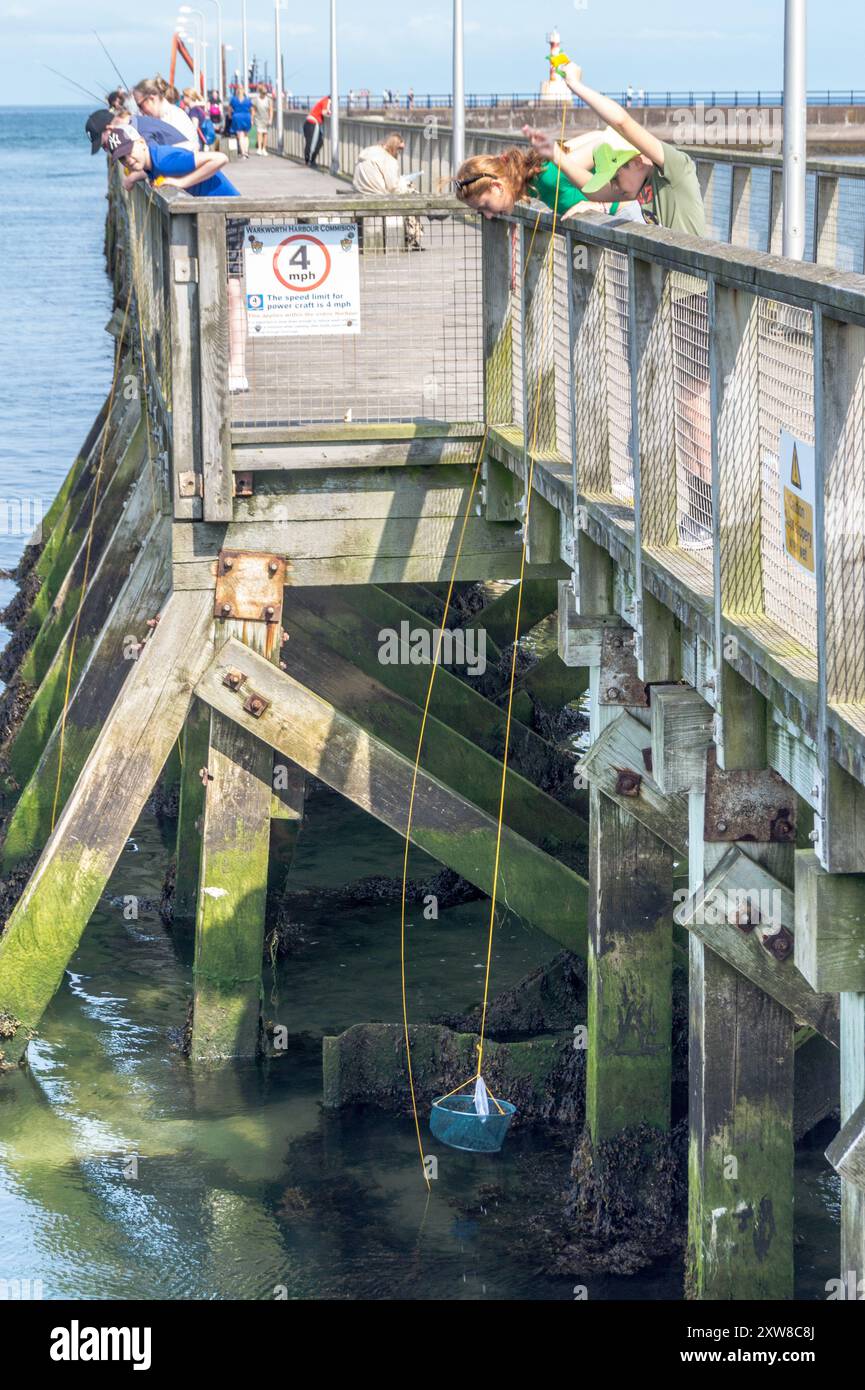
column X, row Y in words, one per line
column 661, row 177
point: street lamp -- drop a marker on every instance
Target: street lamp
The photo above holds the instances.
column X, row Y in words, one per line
column 221, row 79
column 245, row 48
column 458, row 150
column 334, row 95
column 189, row 9
column 795, row 118
column 277, row 85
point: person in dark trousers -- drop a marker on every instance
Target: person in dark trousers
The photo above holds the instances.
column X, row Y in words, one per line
column 312, row 131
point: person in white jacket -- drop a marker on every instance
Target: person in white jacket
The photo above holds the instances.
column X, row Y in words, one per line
column 377, row 171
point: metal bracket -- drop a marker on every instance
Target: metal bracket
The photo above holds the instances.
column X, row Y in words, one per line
column 185, row 270
column 249, row 586
column 619, row 682
column 242, row 484
column 748, row 805
column 190, row 484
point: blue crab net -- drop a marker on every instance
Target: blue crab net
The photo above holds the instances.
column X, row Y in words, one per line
column 455, row 1121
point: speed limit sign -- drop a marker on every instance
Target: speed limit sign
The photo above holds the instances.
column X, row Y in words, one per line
column 301, row 279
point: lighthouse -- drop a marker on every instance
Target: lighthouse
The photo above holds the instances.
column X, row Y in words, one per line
column 554, row 88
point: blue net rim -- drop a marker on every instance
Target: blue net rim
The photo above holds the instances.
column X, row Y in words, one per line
column 465, row 1106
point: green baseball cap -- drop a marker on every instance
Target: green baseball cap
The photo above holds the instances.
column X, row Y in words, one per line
column 607, row 164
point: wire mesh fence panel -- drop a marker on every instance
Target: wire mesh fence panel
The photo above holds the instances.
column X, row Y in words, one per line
column 785, row 367
column 844, row 225
column 417, row 355
column 716, row 198
column 757, row 231
column 618, row 374
column 689, row 322
column 517, row 326
column 844, row 530
column 561, row 346
column 590, row 372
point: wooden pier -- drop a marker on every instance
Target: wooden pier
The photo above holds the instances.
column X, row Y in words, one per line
column 218, row 569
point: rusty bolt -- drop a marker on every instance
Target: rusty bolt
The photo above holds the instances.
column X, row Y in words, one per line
column 272, row 566
column 628, row 782
column 783, row 829
column 269, row 611
column 228, row 563
column 233, row 679
column 226, row 609
column 746, row 920
column 613, row 692
column 779, row 943
column 205, row 775
column 721, row 825
column 255, row 705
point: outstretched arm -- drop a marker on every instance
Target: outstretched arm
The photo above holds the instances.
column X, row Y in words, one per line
column 206, row 166
column 612, row 114
column 575, row 167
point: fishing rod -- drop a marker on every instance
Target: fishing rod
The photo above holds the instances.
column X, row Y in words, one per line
column 123, row 81
column 85, row 90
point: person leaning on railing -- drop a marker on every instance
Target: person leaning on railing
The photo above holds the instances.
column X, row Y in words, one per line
column 493, row 184
column 312, row 131
column 661, row 177
column 663, row 180
column 199, row 174
column 377, row 172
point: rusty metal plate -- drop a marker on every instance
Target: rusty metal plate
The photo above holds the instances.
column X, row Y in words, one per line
column 249, row 586
column 243, row 484
column 619, row 682
column 748, row 805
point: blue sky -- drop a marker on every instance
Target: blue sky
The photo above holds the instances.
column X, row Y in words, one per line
column 402, row 43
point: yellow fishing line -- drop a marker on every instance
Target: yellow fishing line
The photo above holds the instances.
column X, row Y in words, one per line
column 507, row 721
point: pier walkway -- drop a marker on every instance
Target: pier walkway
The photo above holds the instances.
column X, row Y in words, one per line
column 663, row 439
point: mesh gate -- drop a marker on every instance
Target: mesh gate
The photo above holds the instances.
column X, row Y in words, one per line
column 418, row 356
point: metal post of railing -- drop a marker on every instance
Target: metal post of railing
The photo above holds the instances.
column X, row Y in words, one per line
column 795, row 167
column 334, row 95
column 278, row 79
column 459, row 94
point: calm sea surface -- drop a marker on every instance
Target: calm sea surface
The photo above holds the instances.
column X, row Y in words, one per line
column 123, row 1173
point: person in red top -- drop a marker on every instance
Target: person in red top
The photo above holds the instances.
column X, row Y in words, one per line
column 312, row 131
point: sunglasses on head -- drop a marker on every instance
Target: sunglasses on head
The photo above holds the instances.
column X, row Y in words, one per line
column 464, row 183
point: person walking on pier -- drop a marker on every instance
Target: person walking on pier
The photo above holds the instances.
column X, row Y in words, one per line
column 240, row 112
column 262, row 117
column 377, row 172
column 313, row 133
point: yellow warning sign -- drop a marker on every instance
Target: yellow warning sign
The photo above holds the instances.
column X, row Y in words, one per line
column 798, row 503
column 799, row 529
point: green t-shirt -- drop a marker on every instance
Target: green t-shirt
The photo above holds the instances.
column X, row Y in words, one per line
column 676, row 201
column 544, row 185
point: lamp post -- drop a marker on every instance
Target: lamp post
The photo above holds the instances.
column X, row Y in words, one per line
column 245, row 79
column 334, row 95
column 795, row 117
column 459, row 91
column 219, row 75
column 277, row 81
column 189, row 9
column 183, row 33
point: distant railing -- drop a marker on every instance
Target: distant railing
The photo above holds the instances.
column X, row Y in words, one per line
column 742, row 189
column 376, row 101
